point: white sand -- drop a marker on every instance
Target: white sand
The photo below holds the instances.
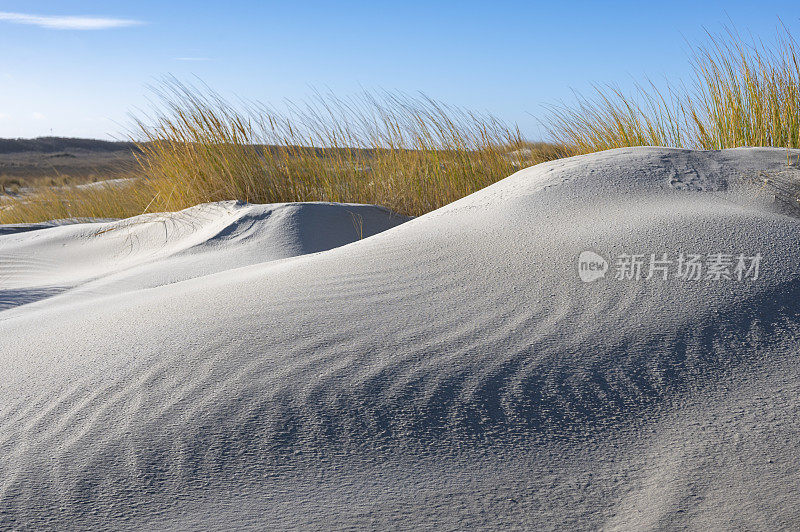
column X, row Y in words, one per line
column 90, row 259
column 451, row 372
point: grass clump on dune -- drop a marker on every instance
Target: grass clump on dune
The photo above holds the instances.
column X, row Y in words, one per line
column 409, row 153
column 742, row 94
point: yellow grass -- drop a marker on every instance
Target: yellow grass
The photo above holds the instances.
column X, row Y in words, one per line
column 409, row 153
column 743, row 93
column 414, row 154
column 63, row 202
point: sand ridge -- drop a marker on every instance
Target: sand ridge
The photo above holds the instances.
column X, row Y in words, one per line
column 158, row 249
column 457, row 342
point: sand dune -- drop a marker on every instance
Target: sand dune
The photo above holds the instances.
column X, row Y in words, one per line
column 263, row 367
column 157, row 249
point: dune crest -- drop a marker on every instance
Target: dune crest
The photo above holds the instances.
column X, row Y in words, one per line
column 158, row 249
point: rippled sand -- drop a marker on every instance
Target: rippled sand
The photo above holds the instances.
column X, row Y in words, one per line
column 276, row 366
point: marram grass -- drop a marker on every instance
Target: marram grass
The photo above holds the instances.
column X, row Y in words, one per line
column 414, row 154
column 411, row 154
column 742, row 93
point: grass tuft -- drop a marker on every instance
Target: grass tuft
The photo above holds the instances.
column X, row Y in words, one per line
column 409, row 153
column 743, row 93
column 412, row 154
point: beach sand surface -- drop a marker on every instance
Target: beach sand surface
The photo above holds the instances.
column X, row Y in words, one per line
column 322, row 366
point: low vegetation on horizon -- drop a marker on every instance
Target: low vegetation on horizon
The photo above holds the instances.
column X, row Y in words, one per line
column 414, row 154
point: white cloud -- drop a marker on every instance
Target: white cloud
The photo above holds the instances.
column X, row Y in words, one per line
column 192, row 59
column 3, row 115
column 67, row 22
column 38, row 116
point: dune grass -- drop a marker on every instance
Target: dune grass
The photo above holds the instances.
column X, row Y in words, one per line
column 743, row 92
column 411, row 154
column 414, row 154
column 101, row 200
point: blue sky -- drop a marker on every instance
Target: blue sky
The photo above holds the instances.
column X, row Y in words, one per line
column 80, row 76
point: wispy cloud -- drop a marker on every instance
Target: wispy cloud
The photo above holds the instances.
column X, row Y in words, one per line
column 68, row 22
column 192, row 59
column 38, row 116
